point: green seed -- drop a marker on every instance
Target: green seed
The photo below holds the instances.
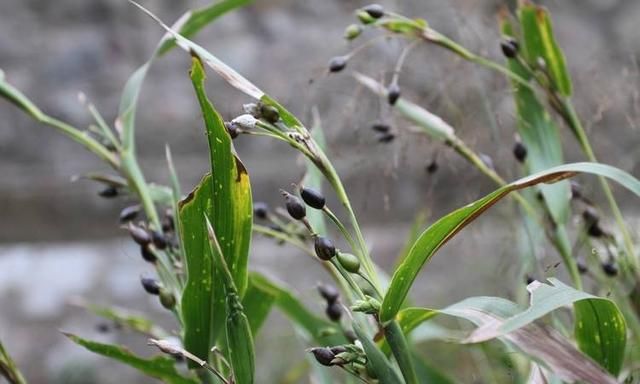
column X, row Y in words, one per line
column 352, row 31
column 167, row 299
column 364, row 17
column 269, row 113
column 349, row 262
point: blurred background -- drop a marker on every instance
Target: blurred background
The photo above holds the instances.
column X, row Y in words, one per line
column 59, row 240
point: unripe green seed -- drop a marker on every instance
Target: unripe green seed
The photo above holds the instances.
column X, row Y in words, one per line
column 352, row 31
column 324, row 248
column 312, row 198
column 349, row 262
column 167, row 299
column 364, row 17
column 269, row 113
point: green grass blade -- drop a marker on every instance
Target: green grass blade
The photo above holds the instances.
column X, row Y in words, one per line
column 162, row 368
column 125, row 318
column 257, row 303
column 200, row 18
column 8, row 368
column 448, row 226
column 539, row 41
column 376, row 360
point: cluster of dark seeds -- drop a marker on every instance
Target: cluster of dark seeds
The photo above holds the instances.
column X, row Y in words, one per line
column 332, row 297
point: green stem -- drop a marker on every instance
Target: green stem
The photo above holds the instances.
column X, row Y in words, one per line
column 400, row 349
column 561, row 241
column 341, row 227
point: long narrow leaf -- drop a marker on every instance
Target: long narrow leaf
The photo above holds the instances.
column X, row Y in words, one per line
column 444, row 229
column 8, row 368
column 162, row 368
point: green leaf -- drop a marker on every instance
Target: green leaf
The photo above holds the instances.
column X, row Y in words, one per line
column 257, row 303
column 539, row 41
column 133, row 321
column 200, row 18
column 8, row 369
column 428, row 374
column 376, row 360
column 162, row 368
column 448, row 226
column 541, row 137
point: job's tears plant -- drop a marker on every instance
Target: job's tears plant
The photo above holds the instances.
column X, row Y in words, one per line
column 199, row 243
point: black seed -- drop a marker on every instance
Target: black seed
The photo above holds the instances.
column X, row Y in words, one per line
column 381, row 127
column 529, row 279
column 328, row 292
column 374, row 10
column 147, row 254
column 269, row 113
column 324, row 247
column 294, row 206
column 102, row 327
column 590, row 216
column 129, row 213
column 338, row 349
column 337, row 64
column 323, row 356
column 509, row 47
column 138, row 234
column 260, row 210
column 312, row 198
column 386, row 137
column 334, row 311
column 159, row 239
column 576, row 190
column 595, row 230
column 167, row 299
column 393, row 93
column 109, row 192
column 519, row 151
column 582, row 268
column 610, row 269
column 432, row 167
column 168, row 224
column 232, row 129
column 150, row 285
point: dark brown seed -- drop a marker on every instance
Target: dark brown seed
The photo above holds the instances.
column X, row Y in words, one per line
column 323, row 356
column 159, row 239
column 328, row 292
column 610, row 269
column 232, row 129
column 294, row 206
column 150, row 285
column 386, row 137
column 381, row 127
column 432, row 167
column 509, row 48
column 129, row 213
column 337, row 64
column 138, row 234
column 374, row 10
column 147, row 254
column 269, row 113
column 324, row 247
column 519, row 151
column 109, row 192
column 312, row 198
column 393, row 93
column 260, row 210
column 334, row 311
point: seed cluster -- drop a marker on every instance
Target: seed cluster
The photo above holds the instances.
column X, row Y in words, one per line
column 332, row 297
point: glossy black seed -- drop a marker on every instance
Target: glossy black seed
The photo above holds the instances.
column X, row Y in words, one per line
column 294, row 206
column 337, row 64
column 232, row 129
column 374, row 10
column 334, row 311
column 509, row 47
column 129, row 213
column 393, row 93
column 328, row 292
column 269, row 113
column 147, row 254
column 519, row 151
column 381, row 127
column 151, row 285
column 109, row 192
column 159, row 239
column 260, row 210
column 312, row 198
column 324, row 247
column 323, row 356
column 610, row 269
column 432, row 167
column 138, row 234
column 386, row 137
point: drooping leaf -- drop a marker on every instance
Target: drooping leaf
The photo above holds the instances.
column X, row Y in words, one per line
column 448, row 226
column 126, row 318
column 8, row 368
column 540, row 42
column 162, row 368
column 540, row 342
